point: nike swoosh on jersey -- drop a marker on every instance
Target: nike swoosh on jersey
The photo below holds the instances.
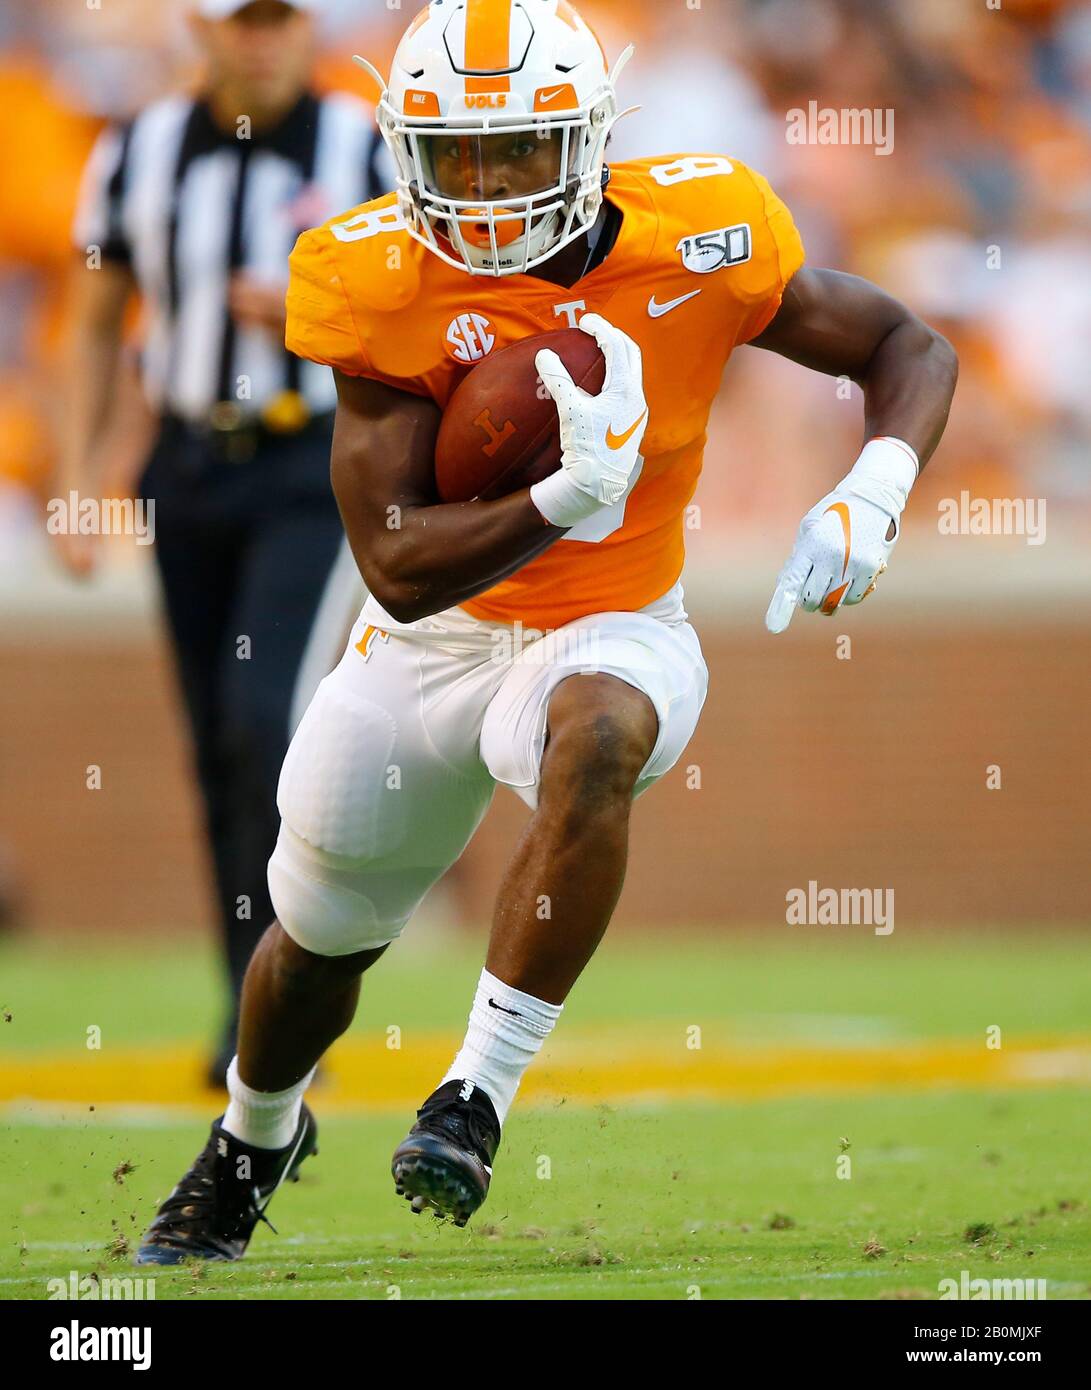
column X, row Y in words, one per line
column 618, row 441
column 658, row 310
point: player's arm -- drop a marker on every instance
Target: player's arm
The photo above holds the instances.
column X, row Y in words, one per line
column 93, row 352
column 844, row 326
column 417, row 555
column 420, row 556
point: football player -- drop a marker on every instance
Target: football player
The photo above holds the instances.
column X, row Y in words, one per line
column 508, row 223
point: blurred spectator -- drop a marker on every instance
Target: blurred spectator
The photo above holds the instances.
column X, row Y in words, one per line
column 195, row 205
column 992, row 149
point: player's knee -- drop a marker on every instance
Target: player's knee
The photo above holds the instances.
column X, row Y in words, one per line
column 329, row 911
column 300, row 973
column 601, row 734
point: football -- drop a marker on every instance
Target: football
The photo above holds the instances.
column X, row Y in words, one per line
column 500, row 431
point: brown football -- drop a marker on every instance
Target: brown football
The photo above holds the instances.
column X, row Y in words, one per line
column 500, row 430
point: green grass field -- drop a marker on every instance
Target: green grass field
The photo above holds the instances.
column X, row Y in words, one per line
column 714, row 1196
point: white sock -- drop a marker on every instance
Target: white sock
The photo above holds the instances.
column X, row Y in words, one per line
column 266, row 1119
column 503, row 1038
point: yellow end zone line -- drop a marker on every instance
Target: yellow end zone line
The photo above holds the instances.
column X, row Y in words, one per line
column 363, row 1073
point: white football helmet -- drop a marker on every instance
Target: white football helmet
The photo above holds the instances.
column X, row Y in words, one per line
column 497, row 114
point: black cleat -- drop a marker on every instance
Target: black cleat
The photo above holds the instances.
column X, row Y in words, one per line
column 212, row 1212
column 445, row 1161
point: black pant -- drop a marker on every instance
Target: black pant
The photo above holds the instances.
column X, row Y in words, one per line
column 244, row 551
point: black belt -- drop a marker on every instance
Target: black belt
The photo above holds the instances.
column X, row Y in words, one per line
column 234, row 435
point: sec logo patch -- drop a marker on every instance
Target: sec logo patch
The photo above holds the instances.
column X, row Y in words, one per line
column 470, row 337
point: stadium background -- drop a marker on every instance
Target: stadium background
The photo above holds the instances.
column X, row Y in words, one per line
column 976, row 652
column 865, row 772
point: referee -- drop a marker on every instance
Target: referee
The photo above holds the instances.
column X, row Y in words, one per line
column 196, row 204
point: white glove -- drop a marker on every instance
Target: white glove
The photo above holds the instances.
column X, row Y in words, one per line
column 845, row 541
column 600, row 435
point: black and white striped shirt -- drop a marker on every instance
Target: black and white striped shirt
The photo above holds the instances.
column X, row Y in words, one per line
column 186, row 204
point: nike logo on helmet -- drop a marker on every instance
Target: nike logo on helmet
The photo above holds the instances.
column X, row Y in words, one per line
column 550, row 94
column 658, row 310
column 618, row 441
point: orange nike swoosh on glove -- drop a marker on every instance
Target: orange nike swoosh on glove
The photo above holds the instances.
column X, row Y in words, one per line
column 832, row 599
column 618, row 441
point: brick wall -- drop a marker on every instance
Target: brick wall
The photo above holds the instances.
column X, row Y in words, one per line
column 867, row 772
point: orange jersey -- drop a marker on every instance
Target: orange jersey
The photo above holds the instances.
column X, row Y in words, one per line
column 699, row 266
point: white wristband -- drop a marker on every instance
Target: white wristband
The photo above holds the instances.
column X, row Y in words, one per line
column 885, row 471
column 561, row 501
